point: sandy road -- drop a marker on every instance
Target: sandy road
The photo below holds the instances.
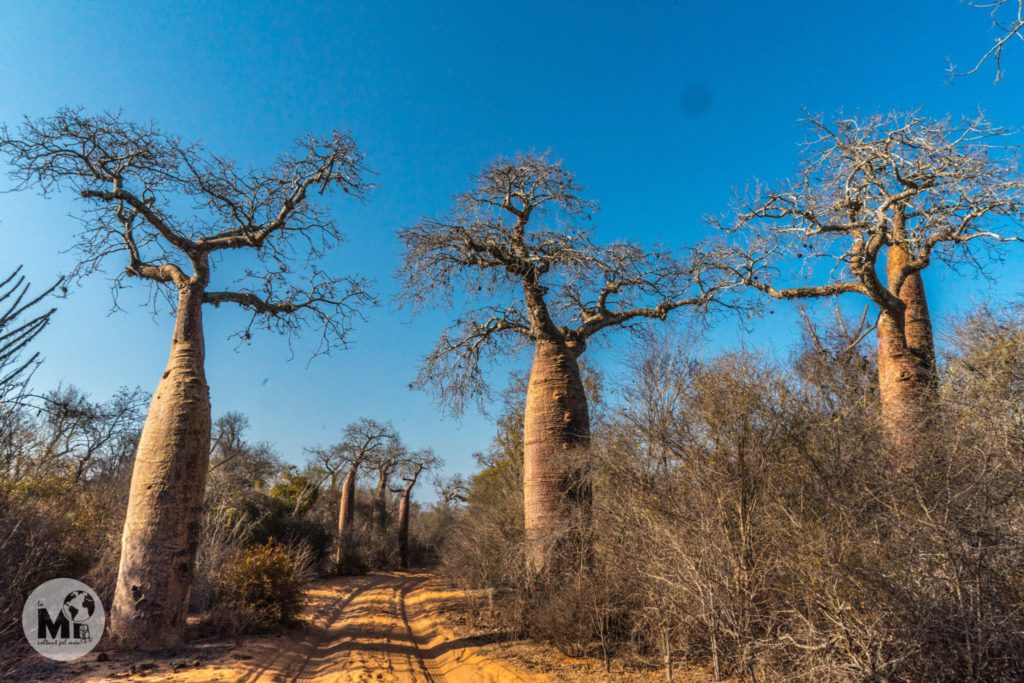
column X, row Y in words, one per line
column 375, row 628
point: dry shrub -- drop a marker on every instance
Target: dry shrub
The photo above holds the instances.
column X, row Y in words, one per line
column 52, row 527
column 263, row 586
column 29, row 546
column 484, row 547
column 225, row 533
column 428, row 529
column 749, row 518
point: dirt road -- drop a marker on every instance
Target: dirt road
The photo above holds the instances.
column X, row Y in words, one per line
column 375, row 628
column 379, row 628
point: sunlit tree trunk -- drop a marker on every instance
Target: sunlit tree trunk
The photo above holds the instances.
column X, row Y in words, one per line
column 346, row 513
column 380, row 502
column 380, row 515
column 906, row 359
column 133, row 178
column 403, row 526
column 556, row 428
column 161, row 530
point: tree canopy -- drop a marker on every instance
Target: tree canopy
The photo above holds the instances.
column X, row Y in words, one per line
column 517, row 255
column 170, row 210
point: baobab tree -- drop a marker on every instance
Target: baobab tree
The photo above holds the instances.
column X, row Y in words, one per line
column 384, row 461
column 517, row 252
column 133, row 179
column 364, row 440
column 912, row 189
column 415, row 464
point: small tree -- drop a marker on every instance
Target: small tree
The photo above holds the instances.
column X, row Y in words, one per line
column 517, row 250
column 415, row 464
column 453, row 490
column 236, row 464
column 913, row 189
column 132, row 178
column 85, row 435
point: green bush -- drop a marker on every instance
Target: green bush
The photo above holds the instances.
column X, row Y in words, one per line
column 264, row 584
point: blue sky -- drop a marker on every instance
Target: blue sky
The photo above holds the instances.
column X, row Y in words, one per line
column 660, row 107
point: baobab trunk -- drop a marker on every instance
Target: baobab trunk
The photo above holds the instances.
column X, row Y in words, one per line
column 380, row 517
column 556, row 431
column 161, row 529
column 380, row 503
column 906, row 359
column 346, row 512
column 403, row 527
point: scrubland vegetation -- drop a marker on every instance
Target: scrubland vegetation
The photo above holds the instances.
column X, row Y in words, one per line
column 268, row 528
column 847, row 514
column 853, row 511
column 747, row 518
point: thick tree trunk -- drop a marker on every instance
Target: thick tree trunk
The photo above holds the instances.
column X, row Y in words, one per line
column 346, row 513
column 161, row 530
column 403, row 528
column 380, row 518
column 380, row 503
column 906, row 362
column 556, row 430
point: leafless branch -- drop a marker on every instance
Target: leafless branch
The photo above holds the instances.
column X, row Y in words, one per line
column 19, row 326
column 932, row 188
column 517, row 254
column 134, row 179
column 1008, row 22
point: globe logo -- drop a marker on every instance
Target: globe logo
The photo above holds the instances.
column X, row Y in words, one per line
column 78, row 606
column 63, row 619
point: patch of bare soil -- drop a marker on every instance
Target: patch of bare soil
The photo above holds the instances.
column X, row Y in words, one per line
column 545, row 662
column 380, row 627
column 389, row 628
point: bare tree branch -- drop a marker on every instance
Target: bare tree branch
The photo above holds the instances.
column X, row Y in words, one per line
column 931, row 188
column 516, row 254
column 134, row 178
column 1008, row 21
column 19, row 326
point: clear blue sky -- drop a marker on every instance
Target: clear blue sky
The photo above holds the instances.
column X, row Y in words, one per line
column 660, row 107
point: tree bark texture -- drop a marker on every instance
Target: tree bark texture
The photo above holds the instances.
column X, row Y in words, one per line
column 380, row 503
column 556, row 429
column 346, row 513
column 403, row 527
column 161, row 529
column 906, row 361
